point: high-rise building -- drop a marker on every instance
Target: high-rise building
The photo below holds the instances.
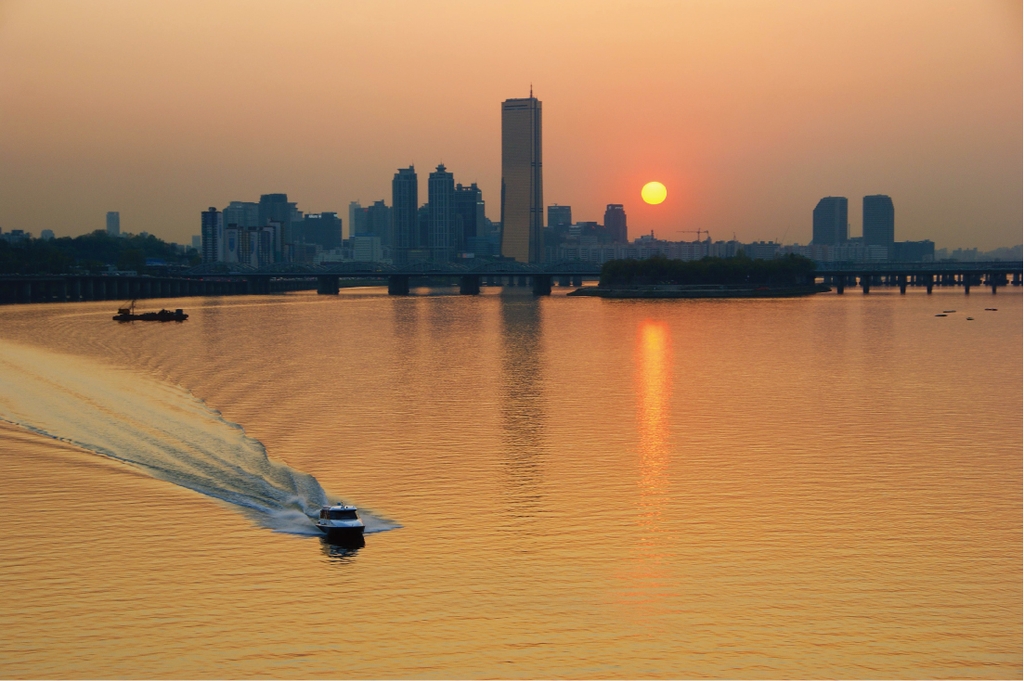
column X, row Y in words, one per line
column 441, row 209
column 242, row 214
column 522, row 184
column 276, row 209
column 114, row 223
column 830, row 225
column 615, row 223
column 322, row 229
column 356, row 219
column 469, row 217
column 879, row 222
column 559, row 216
column 212, row 231
column 378, row 221
column 404, row 207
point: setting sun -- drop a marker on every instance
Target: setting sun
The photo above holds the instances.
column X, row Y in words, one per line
column 654, row 193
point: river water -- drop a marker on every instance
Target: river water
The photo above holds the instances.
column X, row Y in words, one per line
column 557, row 487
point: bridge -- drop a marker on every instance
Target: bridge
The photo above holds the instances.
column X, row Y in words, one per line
column 924, row 274
column 218, row 279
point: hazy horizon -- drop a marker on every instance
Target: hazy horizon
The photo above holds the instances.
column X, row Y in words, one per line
column 748, row 112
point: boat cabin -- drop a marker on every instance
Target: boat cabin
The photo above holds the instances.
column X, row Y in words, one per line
column 338, row 513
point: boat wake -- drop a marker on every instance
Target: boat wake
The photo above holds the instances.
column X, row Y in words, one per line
column 161, row 429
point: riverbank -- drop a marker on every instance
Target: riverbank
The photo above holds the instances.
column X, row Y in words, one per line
column 699, row 291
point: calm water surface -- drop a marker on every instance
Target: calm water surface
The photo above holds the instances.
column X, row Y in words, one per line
column 823, row 487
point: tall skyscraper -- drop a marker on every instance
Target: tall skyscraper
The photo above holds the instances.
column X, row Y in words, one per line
column 356, row 219
column 615, row 223
column 879, row 222
column 469, row 217
column 377, row 221
column 114, row 223
column 522, row 183
column 404, row 206
column 277, row 210
column 212, row 232
column 441, row 209
column 830, row 224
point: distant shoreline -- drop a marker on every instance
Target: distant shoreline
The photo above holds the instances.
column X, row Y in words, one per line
column 699, row 291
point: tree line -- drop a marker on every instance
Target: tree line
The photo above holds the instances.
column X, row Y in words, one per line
column 93, row 252
column 790, row 270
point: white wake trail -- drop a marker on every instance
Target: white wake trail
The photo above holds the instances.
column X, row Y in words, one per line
column 160, row 428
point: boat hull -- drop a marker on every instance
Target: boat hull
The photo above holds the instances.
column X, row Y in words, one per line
column 162, row 316
column 343, row 535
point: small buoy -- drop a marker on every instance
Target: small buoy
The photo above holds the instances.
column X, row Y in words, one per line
column 940, row 315
column 948, row 311
column 991, row 309
column 970, row 319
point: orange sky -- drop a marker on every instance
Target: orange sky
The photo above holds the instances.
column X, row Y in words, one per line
column 748, row 111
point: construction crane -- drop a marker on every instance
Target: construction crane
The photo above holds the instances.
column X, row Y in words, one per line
column 698, row 232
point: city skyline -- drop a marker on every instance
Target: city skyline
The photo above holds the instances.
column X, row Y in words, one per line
column 704, row 98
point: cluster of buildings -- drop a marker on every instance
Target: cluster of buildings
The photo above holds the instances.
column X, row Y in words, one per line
column 831, row 241
column 452, row 224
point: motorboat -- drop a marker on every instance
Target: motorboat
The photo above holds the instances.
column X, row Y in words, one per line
column 340, row 523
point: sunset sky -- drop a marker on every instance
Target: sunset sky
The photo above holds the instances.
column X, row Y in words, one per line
column 748, row 112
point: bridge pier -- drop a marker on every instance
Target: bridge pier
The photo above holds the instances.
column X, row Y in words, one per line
column 469, row 285
column 840, row 282
column 541, row 285
column 564, row 281
column 327, row 285
column 398, row 285
column 865, row 283
column 901, row 279
column 577, row 281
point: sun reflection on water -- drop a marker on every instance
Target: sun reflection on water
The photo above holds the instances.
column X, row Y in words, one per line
column 653, row 392
column 647, row 579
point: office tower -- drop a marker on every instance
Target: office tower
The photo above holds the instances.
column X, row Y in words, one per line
column 114, row 223
column 276, row 210
column 615, row 223
column 322, row 229
column 440, row 208
column 197, row 242
column 830, row 225
column 522, row 185
column 212, row 232
column 242, row 214
column 559, row 216
column 879, row 222
column 469, row 217
column 377, row 221
column 356, row 219
column 404, row 206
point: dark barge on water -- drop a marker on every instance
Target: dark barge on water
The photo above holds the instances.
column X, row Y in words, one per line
column 128, row 314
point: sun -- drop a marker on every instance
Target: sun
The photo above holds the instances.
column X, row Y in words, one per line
column 654, row 193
